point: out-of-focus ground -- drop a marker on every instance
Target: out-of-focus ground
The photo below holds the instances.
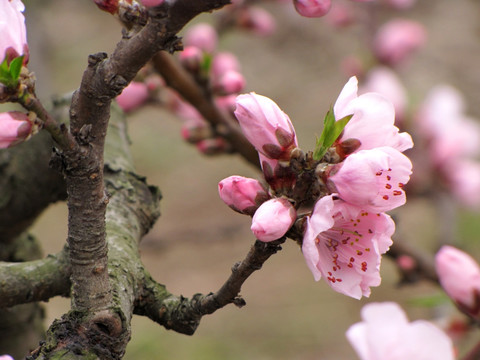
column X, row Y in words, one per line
column 197, row 240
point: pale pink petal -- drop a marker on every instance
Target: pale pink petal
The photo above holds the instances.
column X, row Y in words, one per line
column 373, row 179
column 12, row 28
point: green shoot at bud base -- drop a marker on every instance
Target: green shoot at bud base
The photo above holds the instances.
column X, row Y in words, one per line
column 9, row 73
column 331, row 131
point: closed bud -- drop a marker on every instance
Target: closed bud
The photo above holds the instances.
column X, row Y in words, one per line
column 257, row 20
column 312, row 8
column 213, row 146
column 203, row 36
column 242, row 194
column 223, row 62
column 266, row 126
column 15, row 128
column 191, row 58
column 133, row 96
column 459, row 275
column 195, row 130
column 272, row 219
column 110, row 6
column 231, row 82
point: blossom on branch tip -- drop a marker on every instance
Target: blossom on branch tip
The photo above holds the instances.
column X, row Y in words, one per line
column 312, row 8
column 266, row 126
column 372, row 179
column 373, row 119
column 343, row 244
column 242, row 194
column 15, row 128
column 13, row 41
column 459, row 275
column 386, row 334
column 272, row 219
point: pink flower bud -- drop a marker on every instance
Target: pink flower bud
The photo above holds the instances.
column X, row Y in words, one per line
column 213, row 146
column 231, row 82
column 243, row 195
column 340, row 16
column 195, row 130
column 152, row 3
column 400, row 4
column 191, row 58
column 406, row 263
column 15, row 128
column 396, row 40
column 13, row 41
column 203, row 36
column 110, row 6
column 459, row 275
column 133, row 96
column 273, row 219
column 312, row 8
column 257, row 20
column 223, row 62
column 267, row 127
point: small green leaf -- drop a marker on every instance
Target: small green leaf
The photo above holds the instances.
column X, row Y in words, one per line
column 206, row 63
column 331, row 131
column 16, row 67
column 429, row 300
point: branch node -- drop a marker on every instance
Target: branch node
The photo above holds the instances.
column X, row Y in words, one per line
column 239, row 302
column 94, row 59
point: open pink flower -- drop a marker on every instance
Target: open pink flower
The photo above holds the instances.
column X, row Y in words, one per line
column 386, row 334
column 273, row 219
column 373, row 119
column 459, row 275
column 15, row 127
column 13, row 41
column 343, row 244
column 373, row 179
column 267, row 127
column 242, row 194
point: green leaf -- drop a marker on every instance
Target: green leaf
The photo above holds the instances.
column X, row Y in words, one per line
column 331, row 131
column 16, row 67
column 206, row 63
column 9, row 73
column 429, row 300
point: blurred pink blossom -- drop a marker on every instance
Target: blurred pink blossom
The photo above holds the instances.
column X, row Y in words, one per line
column 397, row 40
column 13, row 41
column 231, row 82
column 386, row 334
column 459, row 275
column 312, row 8
column 191, row 58
column 373, row 119
column 223, row 62
column 343, row 244
column 265, row 125
column 384, row 81
column 401, row 4
column 373, row 179
column 6, row 357
column 194, row 130
column 213, row 146
column 133, row 96
column 273, row 219
column 464, row 179
column 203, row 36
column 242, row 194
column 340, row 15
column 257, row 20
column 15, row 128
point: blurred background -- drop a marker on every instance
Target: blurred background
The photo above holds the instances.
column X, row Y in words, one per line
column 198, row 238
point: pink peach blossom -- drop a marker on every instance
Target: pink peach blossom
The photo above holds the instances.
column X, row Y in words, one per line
column 213, row 146
column 203, row 36
column 242, row 194
column 384, row 81
column 459, row 275
column 231, row 82
column 386, row 334
column 343, row 244
column 373, row 179
column 191, row 58
column 397, row 40
column 400, row 4
column 463, row 176
column 13, row 42
column 312, row 8
column 133, row 96
column 373, row 119
column 267, row 127
column 257, row 20
column 15, row 128
column 273, row 219
column 223, row 62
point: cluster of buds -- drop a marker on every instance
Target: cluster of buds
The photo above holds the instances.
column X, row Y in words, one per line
column 15, row 82
column 219, row 74
column 356, row 173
